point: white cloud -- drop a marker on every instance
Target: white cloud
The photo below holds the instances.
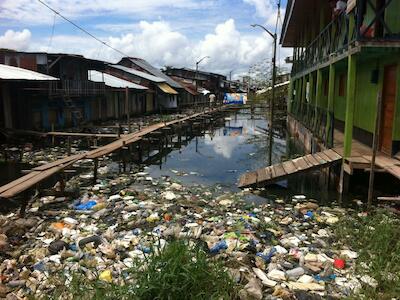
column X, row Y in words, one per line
column 266, row 10
column 156, row 42
column 18, row 40
column 27, row 11
column 159, row 44
column 224, row 146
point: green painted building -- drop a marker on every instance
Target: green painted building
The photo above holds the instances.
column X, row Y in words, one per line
column 344, row 59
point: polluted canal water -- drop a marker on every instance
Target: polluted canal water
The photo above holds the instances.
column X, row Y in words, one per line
column 113, row 239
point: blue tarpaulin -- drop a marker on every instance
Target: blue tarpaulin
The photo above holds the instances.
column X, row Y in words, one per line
column 235, row 98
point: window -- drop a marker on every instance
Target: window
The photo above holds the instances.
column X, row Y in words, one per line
column 342, row 84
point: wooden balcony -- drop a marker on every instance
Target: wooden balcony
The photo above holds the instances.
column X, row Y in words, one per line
column 76, row 88
column 349, row 31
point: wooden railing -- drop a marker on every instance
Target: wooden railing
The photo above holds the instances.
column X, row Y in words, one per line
column 336, row 36
column 315, row 119
column 76, row 88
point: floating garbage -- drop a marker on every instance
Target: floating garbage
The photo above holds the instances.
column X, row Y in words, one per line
column 273, row 248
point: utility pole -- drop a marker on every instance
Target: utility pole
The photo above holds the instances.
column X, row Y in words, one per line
column 272, row 102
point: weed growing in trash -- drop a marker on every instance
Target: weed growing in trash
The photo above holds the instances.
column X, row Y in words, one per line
column 376, row 238
column 181, row 270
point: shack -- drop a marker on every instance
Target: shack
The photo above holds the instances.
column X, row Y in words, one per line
column 20, row 88
column 159, row 95
column 69, row 101
column 122, row 96
column 167, row 92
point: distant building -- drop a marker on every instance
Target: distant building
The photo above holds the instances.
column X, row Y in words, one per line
column 206, row 82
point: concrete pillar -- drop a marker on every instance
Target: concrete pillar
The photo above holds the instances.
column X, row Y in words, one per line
column 331, row 99
column 350, row 101
column 7, row 107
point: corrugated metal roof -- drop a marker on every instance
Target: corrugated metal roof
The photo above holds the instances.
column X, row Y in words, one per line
column 156, row 72
column 186, row 84
column 113, row 81
column 167, row 89
column 15, row 73
column 139, row 74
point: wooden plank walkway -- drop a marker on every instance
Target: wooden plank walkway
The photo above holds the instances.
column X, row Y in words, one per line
column 78, row 134
column 283, row 170
column 43, row 172
column 360, row 159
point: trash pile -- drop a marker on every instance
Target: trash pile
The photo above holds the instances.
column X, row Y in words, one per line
column 274, row 251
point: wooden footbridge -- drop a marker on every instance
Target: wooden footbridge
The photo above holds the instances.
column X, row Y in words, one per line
column 39, row 174
column 288, row 168
column 360, row 159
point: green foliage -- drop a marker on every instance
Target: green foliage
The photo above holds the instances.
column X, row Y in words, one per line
column 179, row 271
column 377, row 240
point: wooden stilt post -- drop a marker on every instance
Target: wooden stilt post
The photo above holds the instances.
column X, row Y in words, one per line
column 140, row 151
column 123, row 152
column 127, row 109
column 53, row 138
column 21, row 153
column 69, row 145
column 62, row 182
column 96, row 166
column 375, row 148
column 24, row 204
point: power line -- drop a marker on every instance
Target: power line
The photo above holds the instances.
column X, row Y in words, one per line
column 82, row 29
column 52, row 32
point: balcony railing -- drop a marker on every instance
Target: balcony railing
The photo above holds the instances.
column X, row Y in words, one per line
column 76, row 88
column 335, row 37
column 316, row 120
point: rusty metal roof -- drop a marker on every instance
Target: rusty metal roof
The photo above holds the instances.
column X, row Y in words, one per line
column 152, row 70
column 15, row 73
column 301, row 14
column 139, row 74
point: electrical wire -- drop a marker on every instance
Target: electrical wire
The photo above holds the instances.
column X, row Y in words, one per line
column 52, row 33
column 82, row 29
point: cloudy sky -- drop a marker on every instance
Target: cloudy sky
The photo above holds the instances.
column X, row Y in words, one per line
column 164, row 32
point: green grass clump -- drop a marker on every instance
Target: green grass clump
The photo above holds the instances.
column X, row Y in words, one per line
column 179, row 271
column 376, row 238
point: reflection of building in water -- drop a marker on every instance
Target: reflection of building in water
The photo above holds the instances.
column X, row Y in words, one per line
column 233, row 131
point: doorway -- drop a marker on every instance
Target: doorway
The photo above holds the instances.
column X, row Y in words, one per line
column 388, row 108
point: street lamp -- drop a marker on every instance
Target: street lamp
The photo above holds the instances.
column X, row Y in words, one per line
column 271, row 106
column 197, row 68
column 230, row 75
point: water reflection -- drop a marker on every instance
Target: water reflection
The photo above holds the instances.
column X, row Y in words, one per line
column 223, row 153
